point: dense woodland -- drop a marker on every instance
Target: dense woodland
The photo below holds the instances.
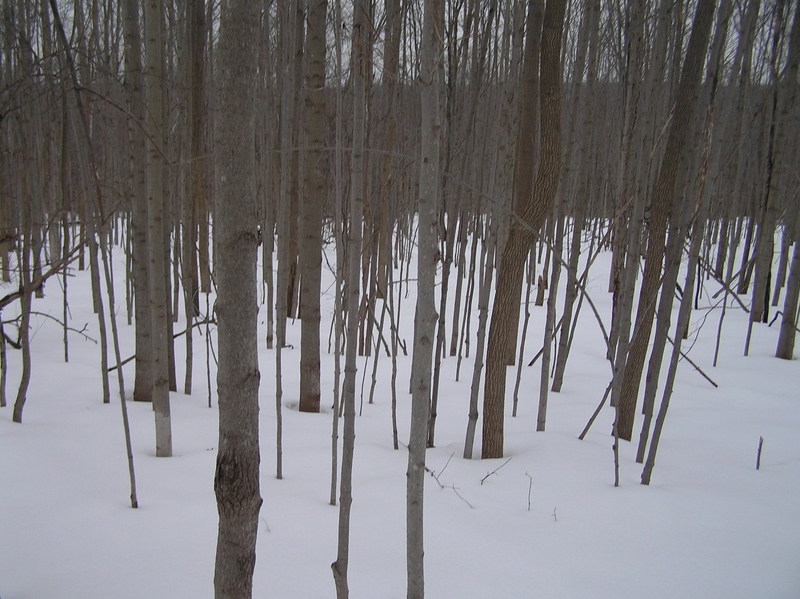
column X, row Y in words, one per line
column 223, row 147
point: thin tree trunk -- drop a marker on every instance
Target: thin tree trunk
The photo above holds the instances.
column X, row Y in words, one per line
column 24, row 332
column 357, row 173
column 520, row 363
column 550, row 323
column 488, row 253
column 664, row 194
column 430, row 82
column 340, row 266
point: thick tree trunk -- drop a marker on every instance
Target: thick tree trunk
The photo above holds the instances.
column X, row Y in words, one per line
column 236, row 481
column 533, row 205
column 313, row 200
column 155, row 215
column 143, row 382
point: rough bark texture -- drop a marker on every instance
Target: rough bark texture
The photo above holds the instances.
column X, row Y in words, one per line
column 154, row 76
column 236, row 481
column 143, row 383
column 534, row 206
column 663, row 196
column 788, row 332
column 311, row 207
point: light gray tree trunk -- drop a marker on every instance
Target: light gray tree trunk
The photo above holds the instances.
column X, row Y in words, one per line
column 154, row 75
column 700, row 216
column 430, row 83
column 236, row 481
column 361, row 22
column 487, row 260
column 338, row 223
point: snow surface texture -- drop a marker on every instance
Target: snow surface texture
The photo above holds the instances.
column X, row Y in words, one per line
column 710, row 525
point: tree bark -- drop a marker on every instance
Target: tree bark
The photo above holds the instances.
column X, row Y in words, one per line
column 143, row 382
column 361, row 22
column 313, row 200
column 533, row 205
column 663, row 197
column 236, row 481
column 155, row 216
column 430, row 83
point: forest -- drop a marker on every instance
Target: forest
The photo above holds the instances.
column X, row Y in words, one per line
column 274, row 209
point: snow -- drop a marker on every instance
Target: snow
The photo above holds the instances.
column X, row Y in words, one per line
column 547, row 522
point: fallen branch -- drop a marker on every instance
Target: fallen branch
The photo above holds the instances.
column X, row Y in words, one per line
column 696, row 367
column 530, row 486
column 442, row 486
column 488, row 474
column 758, row 457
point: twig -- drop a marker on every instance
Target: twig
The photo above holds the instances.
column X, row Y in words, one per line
column 175, row 336
column 530, row 486
column 264, row 520
column 447, row 463
column 442, row 486
column 758, row 457
column 696, row 367
column 81, row 332
column 488, row 474
column 596, row 411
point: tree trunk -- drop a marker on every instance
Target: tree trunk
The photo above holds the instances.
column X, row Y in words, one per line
column 663, row 198
column 361, row 24
column 313, row 200
column 533, row 205
column 236, row 481
column 155, row 215
column 430, row 82
column 143, row 382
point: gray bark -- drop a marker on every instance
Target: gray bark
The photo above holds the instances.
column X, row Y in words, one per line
column 143, row 382
column 353, row 296
column 313, row 200
column 664, row 195
column 236, row 481
column 430, row 82
column 154, row 76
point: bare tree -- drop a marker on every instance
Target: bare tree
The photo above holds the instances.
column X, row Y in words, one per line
column 533, row 204
column 661, row 212
column 154, row 78
column 430, row 83
column 358, row 65
column 236, row 481
column 313, row 200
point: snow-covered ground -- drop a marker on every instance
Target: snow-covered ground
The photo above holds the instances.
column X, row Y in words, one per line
column 547, row 523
